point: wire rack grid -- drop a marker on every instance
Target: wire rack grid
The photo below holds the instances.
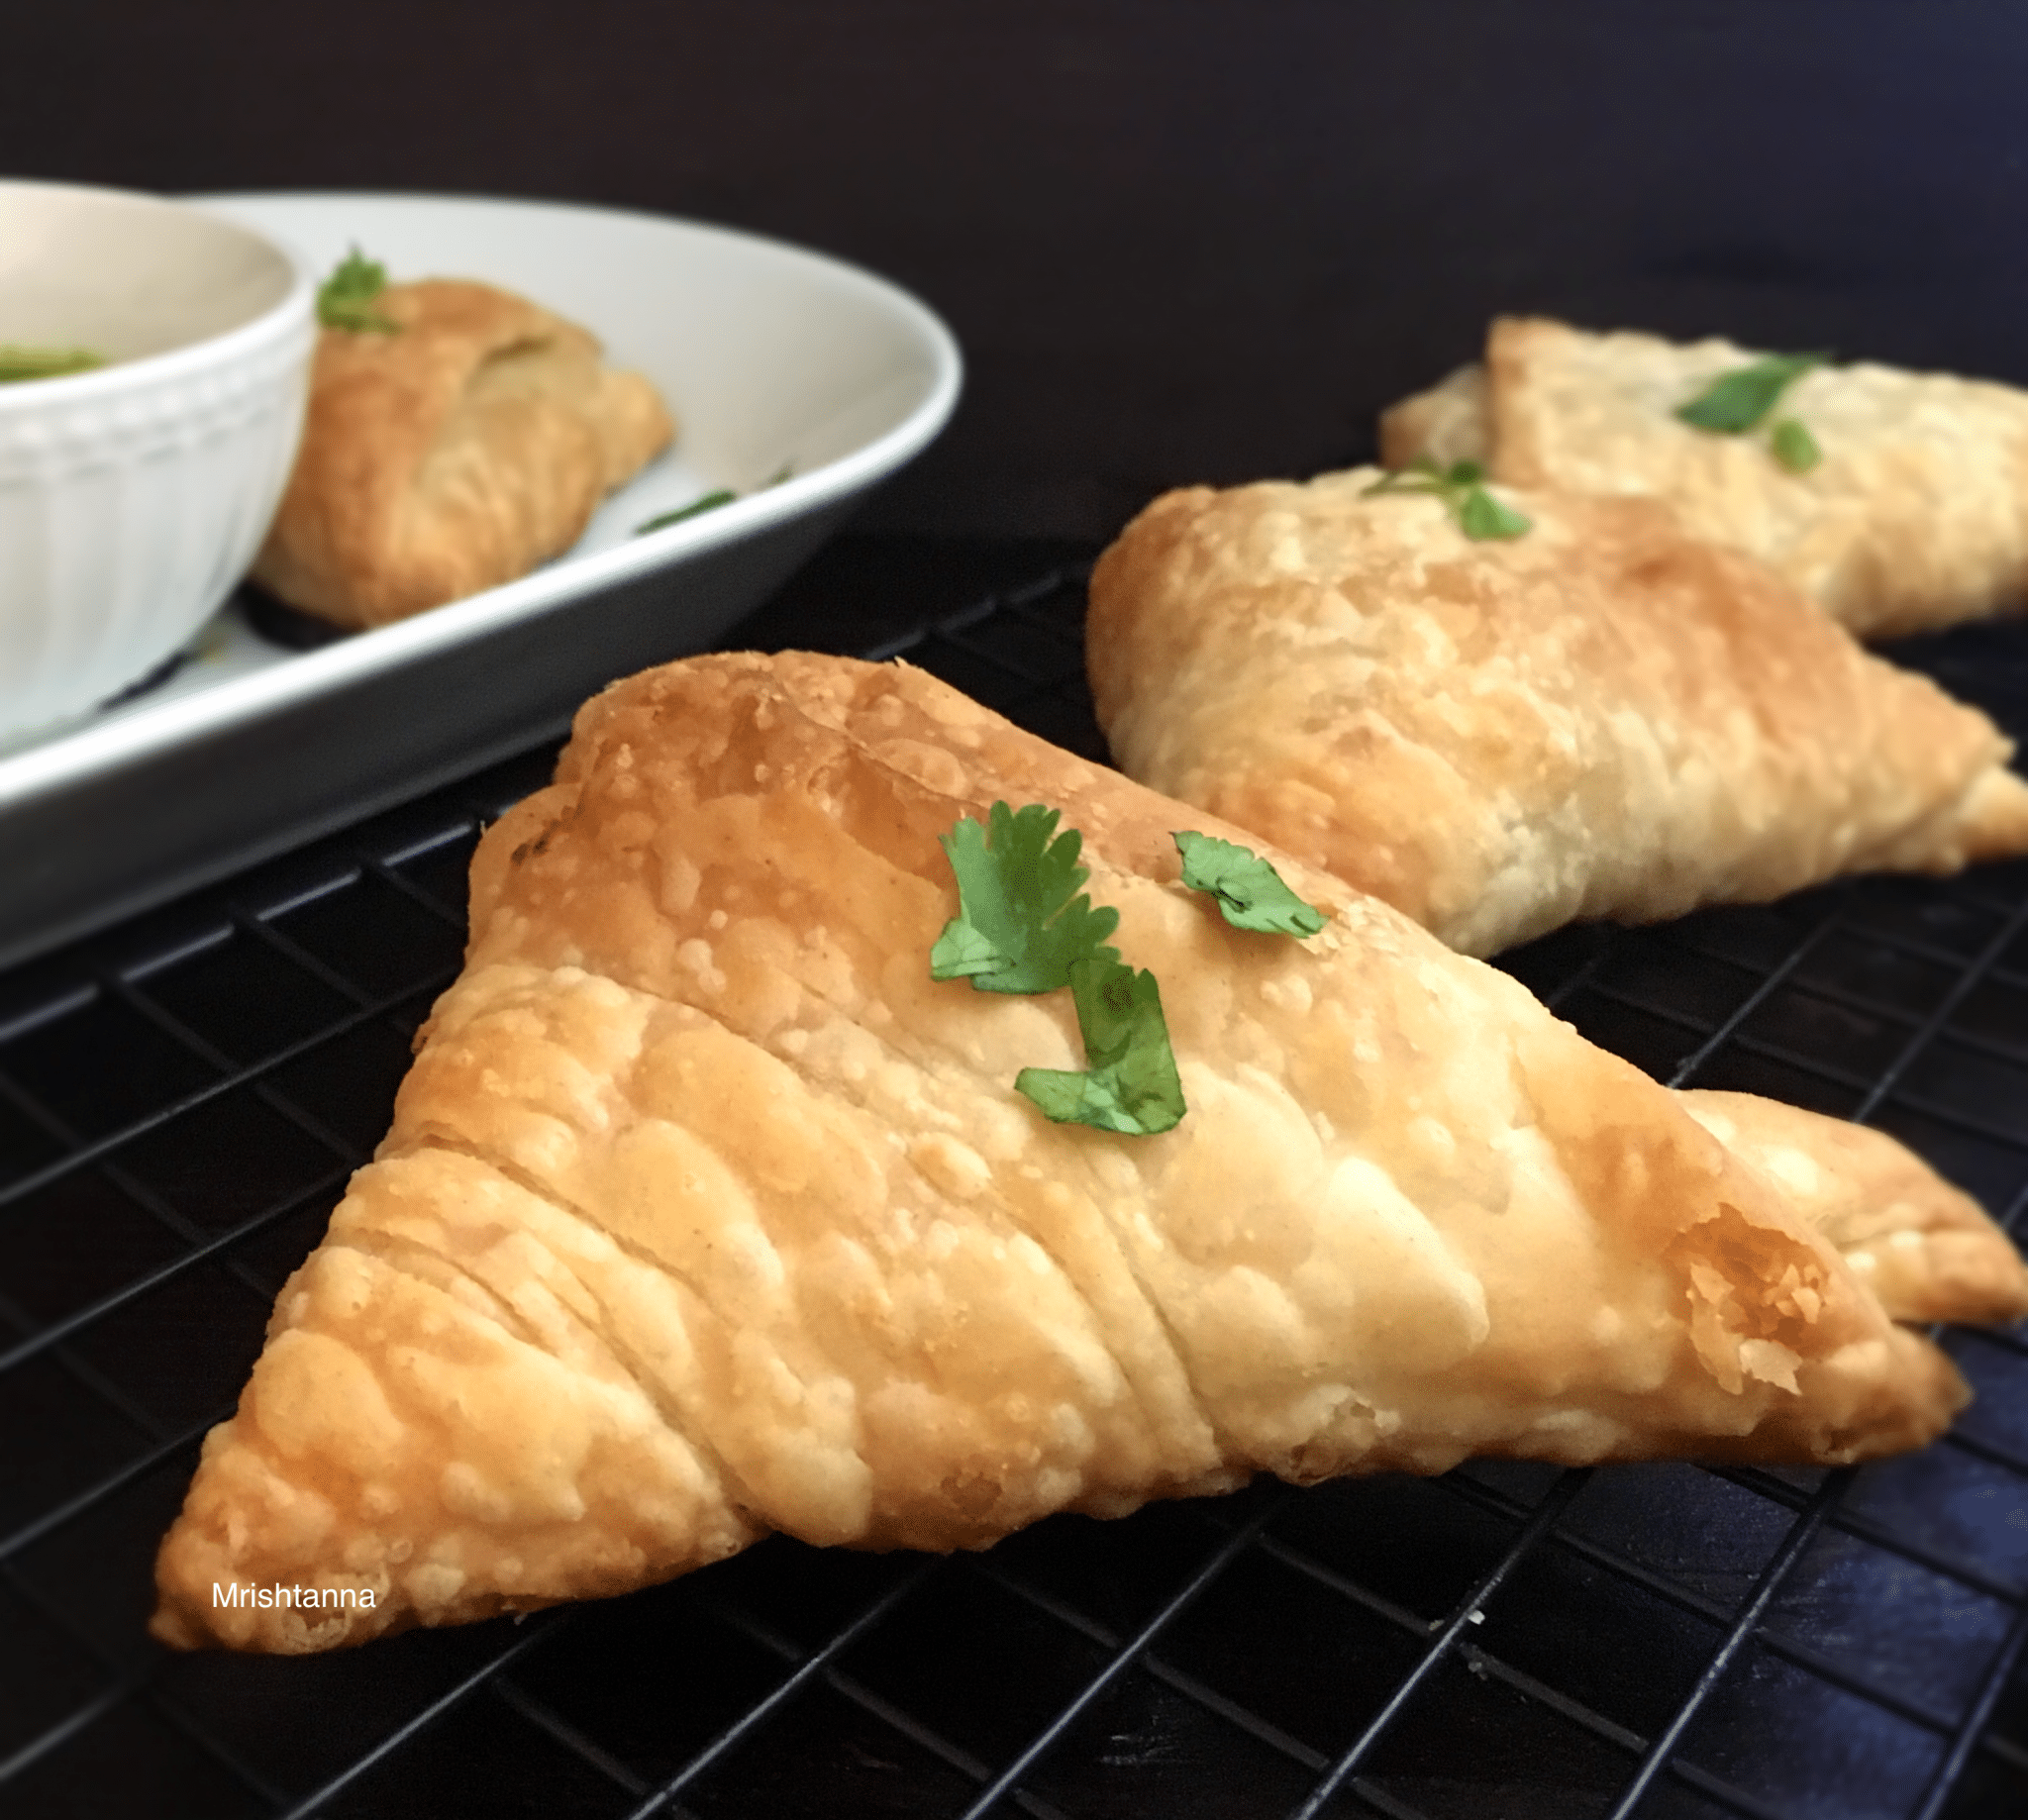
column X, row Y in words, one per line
column 181, row 1103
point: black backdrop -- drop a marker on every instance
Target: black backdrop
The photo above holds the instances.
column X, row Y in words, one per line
column 1179, row 238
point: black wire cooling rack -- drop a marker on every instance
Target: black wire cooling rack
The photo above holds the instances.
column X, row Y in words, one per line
column 181, row 1100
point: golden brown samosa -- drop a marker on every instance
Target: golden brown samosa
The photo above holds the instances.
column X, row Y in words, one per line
column 453, row 448
column 1604, row 717
column 707, row 1212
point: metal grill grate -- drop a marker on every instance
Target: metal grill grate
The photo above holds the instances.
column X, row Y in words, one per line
column 181, row 1100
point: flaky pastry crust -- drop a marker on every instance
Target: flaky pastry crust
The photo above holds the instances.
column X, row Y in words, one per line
column 1915, row 518
column 454, row 453
column 1603, row 718
column 706, row 1212
column 1928, row 1251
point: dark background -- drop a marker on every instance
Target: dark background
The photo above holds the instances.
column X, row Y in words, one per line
column 1180, row 240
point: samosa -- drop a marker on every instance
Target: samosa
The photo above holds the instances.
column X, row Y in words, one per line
column 1596, row 716
column 708, row 1211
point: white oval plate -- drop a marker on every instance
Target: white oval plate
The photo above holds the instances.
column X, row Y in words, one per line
column 775, row 361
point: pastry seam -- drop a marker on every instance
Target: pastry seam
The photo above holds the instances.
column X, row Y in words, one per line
column 650, row 1388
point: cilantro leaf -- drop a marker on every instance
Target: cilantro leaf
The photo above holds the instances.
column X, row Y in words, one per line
column 1020, row 924
column 1024, row 927
column 18, row 362
column 962, row 953
column 1132, row 1085
column 1482, row 517
column 1736, row 402
column 1794, row 446
column 1461, row 488
column 1250, row 892
column 345, row 299
column 709, row 502
column 704, row 502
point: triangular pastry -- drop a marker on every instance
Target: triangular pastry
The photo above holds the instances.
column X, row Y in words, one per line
column 451, row 451
column 1915, row 515
column 1603, row 717
column 707, row 1212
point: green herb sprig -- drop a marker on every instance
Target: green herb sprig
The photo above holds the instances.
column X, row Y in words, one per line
column 17, row 363
column 1738, row 402
column 1249, row 893
column 1022, row 920
column 1791, row 444
column 1025, row 924
column 1130, row 1084
column 344, row 300
column 1461, row 488
column 706, row 502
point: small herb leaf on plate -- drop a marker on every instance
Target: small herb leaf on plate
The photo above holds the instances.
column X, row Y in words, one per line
column 704, row 502
column 709, row 502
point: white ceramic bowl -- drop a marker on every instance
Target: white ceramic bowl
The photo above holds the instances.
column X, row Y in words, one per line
column 133, row 496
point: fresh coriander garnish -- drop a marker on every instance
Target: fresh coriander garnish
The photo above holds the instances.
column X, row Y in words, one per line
column 1021, row 921
column 1023, row 926
column 1740, row 401
column 17, row 362
column 1131, row 1086
column 345, row 299
column 704, row 502
column 1736, row 402
column 709, row 502
column 1794, row 446
column 1461, row 488
column 1482, row 518
column 1249, row 893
